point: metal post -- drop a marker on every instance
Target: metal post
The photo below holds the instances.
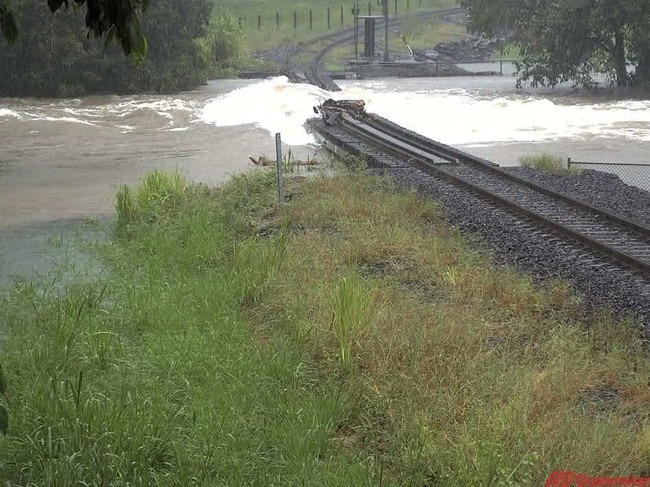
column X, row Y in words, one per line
column 295, row 19
column 341, row 15
column 310, row 19
column 259, row 21
column 395, row 7
column 328, row 18
column 277, row 20
column 369, row 8
column 356, row 30
column 568, row 163
column 385, row 30
column 278, row 165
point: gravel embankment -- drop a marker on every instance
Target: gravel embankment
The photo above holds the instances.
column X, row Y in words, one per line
column 600, row 189
column 514, row 243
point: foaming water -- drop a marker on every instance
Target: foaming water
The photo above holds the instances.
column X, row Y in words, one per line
column 65, row 157
column 146, row 112
column 274, row 105
column 483, row 113
column 481, row 116
column 62, row 160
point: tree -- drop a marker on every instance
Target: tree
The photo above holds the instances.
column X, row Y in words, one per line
column 571, row 40
column 53, row 55
column 117, row 19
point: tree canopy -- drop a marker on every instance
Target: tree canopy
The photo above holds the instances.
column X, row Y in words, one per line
column 571, row 40
column 116, row 19
column 53, row 55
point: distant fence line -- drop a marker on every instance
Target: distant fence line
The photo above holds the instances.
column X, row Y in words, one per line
column 332, row 16
column 635, row 174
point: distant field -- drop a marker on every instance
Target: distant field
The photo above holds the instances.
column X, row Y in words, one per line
column 274, row 22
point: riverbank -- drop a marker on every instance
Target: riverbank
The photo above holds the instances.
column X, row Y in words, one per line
column 351, row 337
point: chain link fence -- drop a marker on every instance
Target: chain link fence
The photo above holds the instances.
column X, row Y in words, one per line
column 634, row 174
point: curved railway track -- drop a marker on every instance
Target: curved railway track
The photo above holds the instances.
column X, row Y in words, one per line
column 389, row 145
column 316, row 49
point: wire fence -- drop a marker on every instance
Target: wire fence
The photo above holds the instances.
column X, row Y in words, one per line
column 634, row 174
column 332, row 16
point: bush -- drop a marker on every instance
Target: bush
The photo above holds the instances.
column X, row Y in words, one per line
column 547, row 163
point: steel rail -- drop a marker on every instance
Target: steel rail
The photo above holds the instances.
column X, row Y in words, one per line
column 437, row 156
column 423, row 143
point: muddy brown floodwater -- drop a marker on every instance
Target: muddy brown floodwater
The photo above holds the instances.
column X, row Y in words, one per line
column 61, row 162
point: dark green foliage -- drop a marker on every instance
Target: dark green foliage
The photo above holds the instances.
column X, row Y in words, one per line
column 3, row 383
column 8, row 24
column 118, row 19
column 4, row 415
column 572, row 40
column 53, row 55
column 223, row 42
column 4, row 420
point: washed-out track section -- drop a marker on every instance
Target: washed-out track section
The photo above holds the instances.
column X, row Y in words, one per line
column 598, row 241
column 317, row 48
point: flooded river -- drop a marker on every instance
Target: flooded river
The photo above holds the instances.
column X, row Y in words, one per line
column 61, row 160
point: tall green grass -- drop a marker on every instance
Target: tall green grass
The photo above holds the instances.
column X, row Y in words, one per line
column 351, row 337
column 151, row 375
column 157, row 192
column 351, row 305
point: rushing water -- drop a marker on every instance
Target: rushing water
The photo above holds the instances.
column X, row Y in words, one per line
column 61, row 160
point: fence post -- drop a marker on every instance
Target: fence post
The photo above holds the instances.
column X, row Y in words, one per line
column 501, row 66
column 395, row 7
column 369, row 8
column 408, row 5
column 295, row 19
column 328, row 18
column 568, row 163
column 278, row 165
column 277, row 20
column 259, row 21
column 310, row 20
column 341, row 15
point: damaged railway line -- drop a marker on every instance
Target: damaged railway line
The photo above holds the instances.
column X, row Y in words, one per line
column 305, row 63
column 606, row 255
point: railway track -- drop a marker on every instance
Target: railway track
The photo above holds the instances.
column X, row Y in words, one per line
column 307, row 61
column 386, row 144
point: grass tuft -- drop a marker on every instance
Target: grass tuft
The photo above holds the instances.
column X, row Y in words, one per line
column 548, row 163
column 157, row 191
column 351, row 313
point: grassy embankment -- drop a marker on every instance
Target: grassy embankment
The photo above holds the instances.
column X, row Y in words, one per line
column 350, row 338
column 268, row 35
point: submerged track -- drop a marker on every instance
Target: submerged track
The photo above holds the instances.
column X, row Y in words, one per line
column 621, row 241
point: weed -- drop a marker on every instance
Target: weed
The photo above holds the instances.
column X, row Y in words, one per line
column 157, row 191
column 547, row 163
column 351, row 313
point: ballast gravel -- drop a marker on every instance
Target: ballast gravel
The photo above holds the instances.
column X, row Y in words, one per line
column 513, row 241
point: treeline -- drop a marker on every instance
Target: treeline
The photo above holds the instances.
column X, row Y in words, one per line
column 54, row 56
column 572, row 40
